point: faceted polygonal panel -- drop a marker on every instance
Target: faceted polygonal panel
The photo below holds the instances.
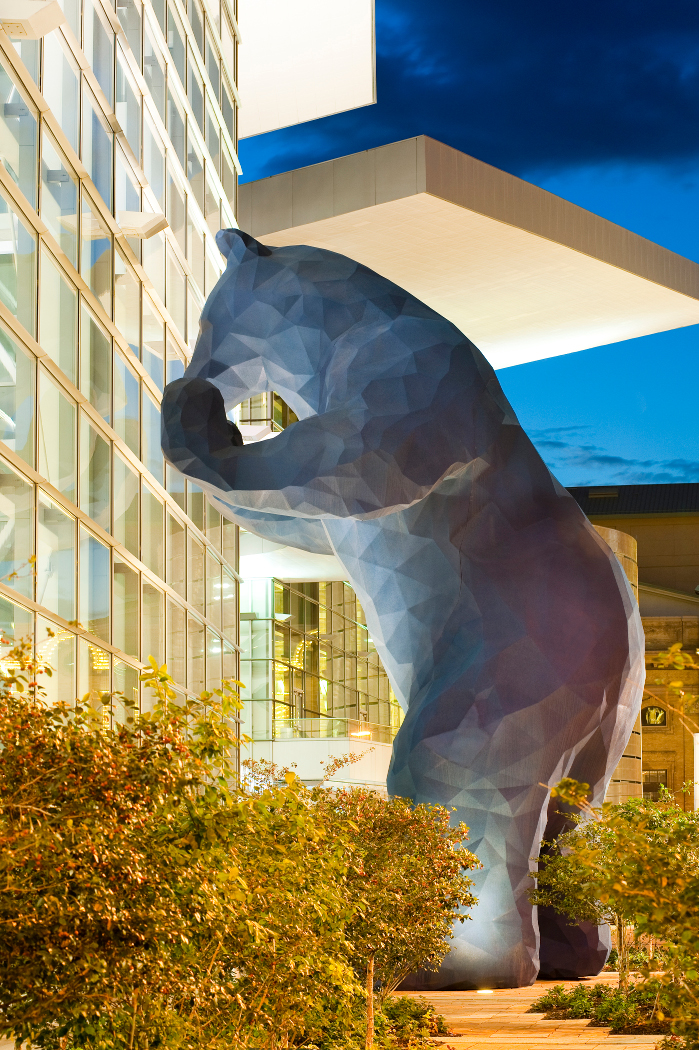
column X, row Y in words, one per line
column 505, row 623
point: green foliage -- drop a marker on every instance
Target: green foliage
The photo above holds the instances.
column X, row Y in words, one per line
column 149, row 899
column 630, row 1011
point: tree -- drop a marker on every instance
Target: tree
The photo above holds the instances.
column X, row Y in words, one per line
column 639, row 860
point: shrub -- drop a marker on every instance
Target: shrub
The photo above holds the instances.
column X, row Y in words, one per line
column 628, row 1011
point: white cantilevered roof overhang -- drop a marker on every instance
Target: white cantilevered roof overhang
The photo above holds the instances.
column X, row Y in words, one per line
column 523, row 273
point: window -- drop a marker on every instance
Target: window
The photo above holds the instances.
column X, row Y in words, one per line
column 96, row 255
column 95, row 576
column 213, row 590
column 16, row 531
column 153, row 351
column 125, row 608
column 175, row 362
column 151, row 454
column 195, row 92
column 154, row 262
column 176, row 652
column 18, row 126
column 58, row 649
column 98, row 45
column 58, row 317
column 59, row 197
column 97, row 148
column 152, row 546
column 125, row 503
column 127, row 303
column 95, row 363
column 213, row 138
column 176, row 292
column 195, row 173
column 196, row 254
column 56, row 437
column 153, row 623
column 176, row 127
column 212, row 208
column 176, row 556
column 63, row 76
column 95, row 474
column 127, row 195
column 195, row 573
column 176, row 42
column 128, row 106
column 17, row 383
column 213, row 65
column 154, row 73
column 214, row 652
column 55, row 565
column 15, row 621
column 653, row 780
column 94, row 666
column 154, row 162
column 196, row 18
column 195, row 654
column 129, row 13
column 127, row 405
column 17, row 267
column 176, row 210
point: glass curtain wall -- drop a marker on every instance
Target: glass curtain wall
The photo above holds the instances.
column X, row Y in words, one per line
column 309, row 665
column 131, row 561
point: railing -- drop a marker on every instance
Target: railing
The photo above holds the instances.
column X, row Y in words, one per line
column 327, row 728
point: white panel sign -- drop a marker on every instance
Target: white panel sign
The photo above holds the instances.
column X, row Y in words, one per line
column 303, row 59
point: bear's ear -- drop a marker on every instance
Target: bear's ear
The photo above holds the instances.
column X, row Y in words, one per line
column 239, row 244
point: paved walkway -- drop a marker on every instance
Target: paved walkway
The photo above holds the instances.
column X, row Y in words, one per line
column 499, row 1021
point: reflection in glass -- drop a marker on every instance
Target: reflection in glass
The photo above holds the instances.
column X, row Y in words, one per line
column 176, row 127
column 17, row 267
column 176, row 556
column 154, row 262
column 16, row 531
column 15, row 621
column 196, row 642
column 214, row 651
column 18, row 137
column 196, row 18
column 127, row 303
column 195, row 574
column 213, row 526
column 154, row 73
column 17, row 378
column 175, row 362
column 195, row 93
column 195, row 255
column 127, row 403
column 212, row 209
column 59, row 197
column 176, row 292
column 229, row 605
column 58, row 317
column 125, row 680
column 151, row 453
column 228, row 111
column 153, row 354
column 95, row 363
column 176, row 211
column 213, row 66
column 93, row 611
column 96, row 255
column 175, row 484
column 56, row 437
column 55, row 563
column 127, row 195
column 228, row 177
column 95, row 474
column 125, row 608
column 58, row 649
column 176, row 652
column 94, row 677
column 152, row 552
column 129, row 14
column 175, row 42
column 97, row 148
column 213, row 137
column 125, row 503
column 98, row 45
column 195, row 172
column 154, row 161
column 213, row 590
column 63, row 76
column 128, row 106
column 153, row 623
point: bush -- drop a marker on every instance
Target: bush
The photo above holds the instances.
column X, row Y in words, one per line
column 626, row 1011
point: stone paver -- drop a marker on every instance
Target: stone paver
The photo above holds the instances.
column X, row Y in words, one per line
column 499, row 1020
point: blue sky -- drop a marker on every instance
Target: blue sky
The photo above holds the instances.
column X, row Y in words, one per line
column 598, row 103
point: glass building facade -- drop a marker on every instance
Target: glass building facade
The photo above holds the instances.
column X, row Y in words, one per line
column 310, row 666
column 122, row 114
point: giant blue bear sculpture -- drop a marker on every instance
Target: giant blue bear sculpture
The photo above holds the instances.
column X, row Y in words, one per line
column 506, row 625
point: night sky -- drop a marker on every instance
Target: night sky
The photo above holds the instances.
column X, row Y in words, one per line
column 597, row 102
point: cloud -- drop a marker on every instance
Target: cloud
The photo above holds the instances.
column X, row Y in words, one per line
column 522, row 86
column 586, row 464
